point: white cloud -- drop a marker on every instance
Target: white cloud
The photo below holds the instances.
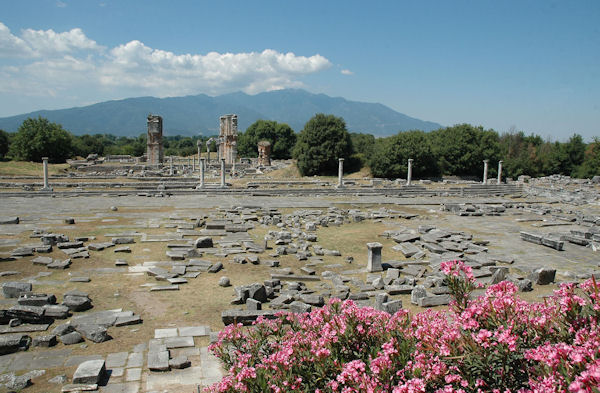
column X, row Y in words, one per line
column 37, row 43
column 61, row 4
column 346, row 72
column 11, row 45
column 68, row 65
column 49, row 42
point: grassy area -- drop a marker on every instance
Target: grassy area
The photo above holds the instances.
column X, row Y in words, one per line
column 23, row 168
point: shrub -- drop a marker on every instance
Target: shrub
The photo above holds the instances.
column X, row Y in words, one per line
column 494, row 343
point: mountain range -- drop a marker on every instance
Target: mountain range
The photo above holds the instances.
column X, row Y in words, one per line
column 199, row 114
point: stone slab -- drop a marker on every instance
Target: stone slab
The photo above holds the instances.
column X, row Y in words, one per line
column 194, row 331
column 163, row 333
column 89, row 372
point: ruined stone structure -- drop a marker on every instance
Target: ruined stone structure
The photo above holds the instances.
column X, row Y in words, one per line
column 264, row 153
column 228, row 139
column 155, row 142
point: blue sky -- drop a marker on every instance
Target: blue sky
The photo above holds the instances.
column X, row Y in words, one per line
column 524, row 65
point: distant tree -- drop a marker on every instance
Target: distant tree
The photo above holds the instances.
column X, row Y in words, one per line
column 460, row 149
column 281, row 136
column 37, row 138
column 90, row 144
column 390, row 156
column 362, row 143
column 4, row 143
column 320, row 144
column 590, row 166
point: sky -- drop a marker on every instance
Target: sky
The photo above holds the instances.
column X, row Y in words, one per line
column 526, row 65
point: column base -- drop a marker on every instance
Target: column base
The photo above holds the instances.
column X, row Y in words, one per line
column 46, row 189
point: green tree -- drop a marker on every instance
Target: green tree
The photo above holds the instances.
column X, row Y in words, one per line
column 590, row 166
column 281, row 136
column 362, row 143
column 323, row 140
column 4, row 143
column 460, row 149
column 390, row 157
column 37, row 138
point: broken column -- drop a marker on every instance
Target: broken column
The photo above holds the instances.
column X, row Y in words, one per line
column 374, row 257
column 222, row 172
column 340, row 172
column 409, row 172
column 193, row 163
column 499, row 171
column 264, row 153
column 228, row 138
column 46, row 186
column 171, row 165
column 485, row 171
column 154, row 143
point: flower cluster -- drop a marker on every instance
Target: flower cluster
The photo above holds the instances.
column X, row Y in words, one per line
column 494, row 343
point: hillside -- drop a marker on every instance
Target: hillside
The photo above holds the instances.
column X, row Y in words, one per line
column 199, row 114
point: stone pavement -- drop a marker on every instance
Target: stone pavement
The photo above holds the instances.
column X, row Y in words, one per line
column 127, row 371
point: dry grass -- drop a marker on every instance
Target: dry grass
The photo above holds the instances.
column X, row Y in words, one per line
column 22, row 168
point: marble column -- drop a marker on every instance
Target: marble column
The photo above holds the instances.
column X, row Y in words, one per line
column 409, row 172
column 222, row 172
column 202, row 166
column 340, row 173
column 499, row 171
column 46, row 186
column 171, row 165
column 485, row 171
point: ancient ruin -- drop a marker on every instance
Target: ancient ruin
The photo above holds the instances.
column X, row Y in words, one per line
column 155, row 142
column 264, row 153
column 228, row 138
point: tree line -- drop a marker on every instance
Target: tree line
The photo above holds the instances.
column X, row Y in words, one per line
column 458, row 150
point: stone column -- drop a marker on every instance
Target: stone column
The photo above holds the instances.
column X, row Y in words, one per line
column 340, row 172
column 374, row 259
column 485, row 170
column 193, row 163
column 499, row 171
column 409, row 173
column 202, row 166
column 46, row 186
column 189, row 165
column 199, row 155
column 170, row 165
column 222, row 172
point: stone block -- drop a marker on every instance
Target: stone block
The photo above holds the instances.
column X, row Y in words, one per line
column 14, row 289
column 89, row 372
column 158, row 361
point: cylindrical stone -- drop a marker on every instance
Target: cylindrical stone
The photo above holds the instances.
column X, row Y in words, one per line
column 340, row 172
column 499, row 171
column 45, row 161
column 222, row 172
column 202, row 166
column 409, row 172
column 485, row 171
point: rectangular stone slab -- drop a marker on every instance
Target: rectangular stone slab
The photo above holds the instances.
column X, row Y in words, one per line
column 245, row 317
column 293, row 277
column 89, row 372
column 158, row 361
column 179, row 342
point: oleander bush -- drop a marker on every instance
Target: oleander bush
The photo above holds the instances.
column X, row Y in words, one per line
column 493, row 343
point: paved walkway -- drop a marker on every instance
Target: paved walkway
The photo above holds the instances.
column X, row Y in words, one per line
column 128, row 371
